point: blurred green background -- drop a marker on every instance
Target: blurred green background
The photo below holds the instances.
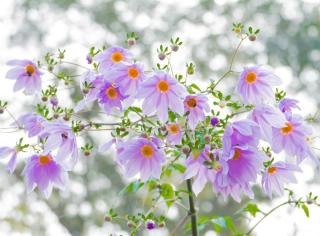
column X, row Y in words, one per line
column 289, row 42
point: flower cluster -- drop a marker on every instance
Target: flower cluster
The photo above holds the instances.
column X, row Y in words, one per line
column 179, row 127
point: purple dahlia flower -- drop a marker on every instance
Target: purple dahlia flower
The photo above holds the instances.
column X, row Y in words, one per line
column 26, row 74
column 277, row 175
column 292, row 138
column 201, row 173
column 174, row 133
column 128, row 77
column 267, row 118
column 109, row 97
column 161, row 92
column 12, row 163
column 255, row 85
column 141, row 155
column 196, row 105
column 110, row 57
column 60, row 137
column 45, row 173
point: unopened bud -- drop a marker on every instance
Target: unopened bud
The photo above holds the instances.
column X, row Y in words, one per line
column 1, row 110
column 174, row 47
column 185, row 150
column 87, row 153
column 108, row 218
column 131, row 41
column 55, row 116
column 44, row 98
column 162, row 224
column 222, row 104
column 252, row 37
column 207, row 138
column 161, row 56
column 130, row 224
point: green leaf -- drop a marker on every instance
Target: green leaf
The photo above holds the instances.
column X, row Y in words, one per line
column 306, row 210
column 252, row 209
column 195, row 87
column 179, row 167
column 167, row 192
column 133, row 187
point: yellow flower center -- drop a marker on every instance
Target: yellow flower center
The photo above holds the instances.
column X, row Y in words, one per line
column 217, row 166
column 116, row 57
column 133, row 73
column 237, row 154
column 44, row 160
column 173, row 129
column 272, row 170
column 146, row 151
column 30, row 69
column 287, row 129
column 251, row 77
column 191, row 103
column 163, row 86
column 111, row 92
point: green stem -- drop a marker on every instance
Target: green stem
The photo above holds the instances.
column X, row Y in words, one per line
column 192, row 211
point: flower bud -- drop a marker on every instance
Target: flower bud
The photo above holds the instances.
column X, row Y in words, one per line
column 162, row 224
column 85, row 91
column 55, row 116
column 108, row 218
column 174, row 47
column 129, row 224
column 87, row 153
column 44, row 98
column 237, row 30
column 161, row 56
column 252, row 37
column 190, row 71
column 1, row 110
column 54, row 101
column 89, row 59
column 66, row 118
column 185, row 150
column 214, row 121
column 222, row 104
column 207, row 138
column 163, row 128
column 131, row 41
column 150, row 224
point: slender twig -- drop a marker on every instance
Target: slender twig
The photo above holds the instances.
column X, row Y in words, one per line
column 75, row 64
column 193, row 212
column 231, row 63
column 179, row 225
column 15, row 120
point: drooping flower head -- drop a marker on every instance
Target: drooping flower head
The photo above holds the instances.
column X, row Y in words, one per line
column 174, row 133
column 61, row 138
column 255, row 85
column 244, row 163
column 287, row 104
column 277, row 175
column 26, row 74
column 109, row 97
column 150, row 224
column 214, row 121
column 292, row 138
column 240, row 133
column 45, row 173
column 127, row 77
column 267, row 118
column 32, row 124
column 141, row 155
column 196, row 105
column 110, row 57
column 196, row 168
column 161, row 92
column 12, row 163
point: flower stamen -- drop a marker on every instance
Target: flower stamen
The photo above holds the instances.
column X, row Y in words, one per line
column 251, row 77
column 30, row 69
column 146, row 151
column 133, row 73
column 111, row 92
column 116, row 57
column 163, row 86
column 288, row 129
column 44, row 160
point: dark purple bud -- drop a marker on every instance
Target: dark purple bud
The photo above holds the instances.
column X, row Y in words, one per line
column 150, row 224
column 1, row 110
column 56, row 116
column 130, row 224
column 161, row 56
column 174, row 47
column 108, row 218
column 89, row 59
column 54, row 101
column 214, row 121
column 207, row 138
